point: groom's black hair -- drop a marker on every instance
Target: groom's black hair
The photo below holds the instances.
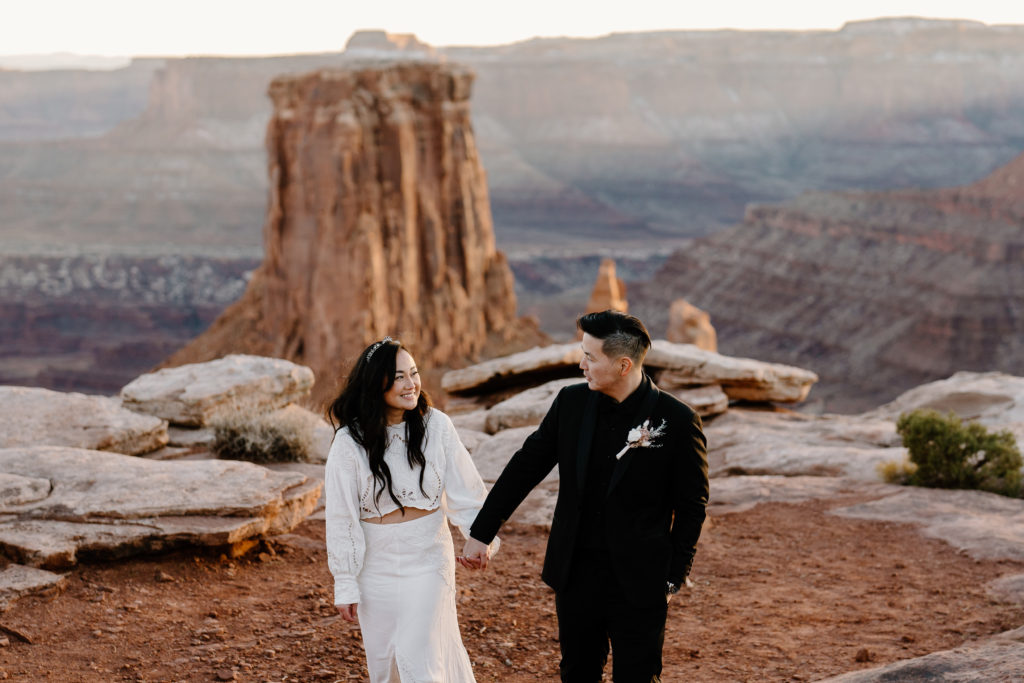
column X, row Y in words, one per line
column 621, row 334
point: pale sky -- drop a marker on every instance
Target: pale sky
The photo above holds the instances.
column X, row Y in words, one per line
column 233, row 27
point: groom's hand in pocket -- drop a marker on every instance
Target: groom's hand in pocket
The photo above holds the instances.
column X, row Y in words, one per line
column 348, row 612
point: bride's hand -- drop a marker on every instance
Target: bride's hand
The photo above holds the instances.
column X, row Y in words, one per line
column 348, row 612
column 474, row 555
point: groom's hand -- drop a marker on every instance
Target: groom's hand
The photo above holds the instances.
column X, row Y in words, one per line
column 474, row 554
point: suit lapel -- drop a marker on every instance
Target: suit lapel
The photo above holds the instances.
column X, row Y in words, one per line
column 642, row 413
column 586, row 439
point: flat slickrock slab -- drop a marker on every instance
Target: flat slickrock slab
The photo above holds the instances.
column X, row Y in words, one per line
column 17, row 581
column 193, row 395
column 985, row 525
column 763, row 442
column 18, row 490
column 539, row 359
column 111, row 504
column 33, row 417
column 1008, row 588
column 684, row 365
column 999, row 658
column 741, row 493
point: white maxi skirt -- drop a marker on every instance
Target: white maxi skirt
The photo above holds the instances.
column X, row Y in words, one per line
column 407, row 604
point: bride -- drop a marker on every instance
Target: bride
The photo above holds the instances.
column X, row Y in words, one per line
column 396, row 470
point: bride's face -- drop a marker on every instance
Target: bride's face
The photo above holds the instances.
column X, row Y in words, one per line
column 405, row 392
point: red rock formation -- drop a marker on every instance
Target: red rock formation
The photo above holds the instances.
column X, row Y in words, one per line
column 609, row 291
column 378, row 224
column 687, row 324
column 876, row 292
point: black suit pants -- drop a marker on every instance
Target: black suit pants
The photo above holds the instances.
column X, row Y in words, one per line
column 593, row 611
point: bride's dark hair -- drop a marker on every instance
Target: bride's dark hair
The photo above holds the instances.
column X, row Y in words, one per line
column 362, row 409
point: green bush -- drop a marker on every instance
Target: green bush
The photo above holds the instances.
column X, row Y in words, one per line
column 953, row 455
column 282, row 436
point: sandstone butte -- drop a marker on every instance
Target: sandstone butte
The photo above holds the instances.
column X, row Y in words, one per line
column 379, row 223
column 609, row 290
column 878, row 292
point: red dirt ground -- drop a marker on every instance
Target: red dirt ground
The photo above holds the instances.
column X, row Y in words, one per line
column 781, row 592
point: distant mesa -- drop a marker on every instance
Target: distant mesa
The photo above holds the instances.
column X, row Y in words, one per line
column 374, row 42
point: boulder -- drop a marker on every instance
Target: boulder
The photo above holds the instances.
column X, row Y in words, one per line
column 994, row 399
column 526, row 408
column 110, row 504
column 705, row 401
column 474, row 420
column 33, row 417
column 517, row 368
column 688, row 324
column 194, row 394
column 189, row 437
column 493, row 454
column 17, row 581
column 685, row 365
column 999, row 658
column 472, row 439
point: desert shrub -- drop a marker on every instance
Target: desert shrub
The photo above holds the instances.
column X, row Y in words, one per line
column 894, row 472
column 282, row 436
column 951, row 454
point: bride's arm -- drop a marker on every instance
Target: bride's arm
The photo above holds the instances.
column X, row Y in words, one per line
column 346, row 545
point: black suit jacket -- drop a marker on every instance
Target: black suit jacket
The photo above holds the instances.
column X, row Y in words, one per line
column 655, row 503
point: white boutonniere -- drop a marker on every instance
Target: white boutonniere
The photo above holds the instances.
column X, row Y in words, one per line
column 642, row 436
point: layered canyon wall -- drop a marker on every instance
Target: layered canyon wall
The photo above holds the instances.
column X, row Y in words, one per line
column 659, row 136
column 94, row 321
column 378, row 224
column 875, row 292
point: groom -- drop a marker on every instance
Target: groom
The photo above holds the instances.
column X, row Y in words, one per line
column 633, row 488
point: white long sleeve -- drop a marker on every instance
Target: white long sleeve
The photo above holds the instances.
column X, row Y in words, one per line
column 346, row 545
column 464, row 489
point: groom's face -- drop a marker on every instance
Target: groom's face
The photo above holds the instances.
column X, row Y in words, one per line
column 602, row 373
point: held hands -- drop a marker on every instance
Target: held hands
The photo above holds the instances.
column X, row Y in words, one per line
column 474, row 555
column 348, row 612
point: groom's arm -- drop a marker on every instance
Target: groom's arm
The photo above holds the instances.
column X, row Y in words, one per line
column 690, row 498
column 526, row 469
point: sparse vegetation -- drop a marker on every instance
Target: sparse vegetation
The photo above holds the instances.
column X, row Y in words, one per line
column 282, row 436
column 946, row 453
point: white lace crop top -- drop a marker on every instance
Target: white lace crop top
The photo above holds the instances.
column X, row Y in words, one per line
column 450, row 481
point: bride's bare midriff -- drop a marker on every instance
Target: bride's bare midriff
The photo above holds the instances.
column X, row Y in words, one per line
column 396, row 516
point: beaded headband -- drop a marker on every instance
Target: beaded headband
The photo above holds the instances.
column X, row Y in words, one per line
column 376, row 346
